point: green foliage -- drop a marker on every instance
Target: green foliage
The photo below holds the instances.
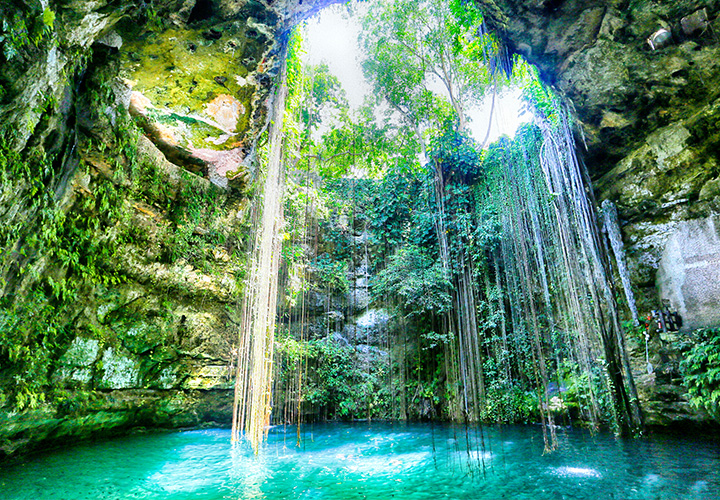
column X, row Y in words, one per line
column 701, row 371
column 434, row 339
column 293, row 131
column 539, row 99
column 73, row 402
column 295, row 70
column 331, row 275
column 398, row 211
column 457, row 154
column 510, row 405
column 474, row 42
column 431, row 232
column 32, row 326
column 421, row 283
column 14, row 36
column 411, row 43
column 23, row 31
column 314, row 95
column 338, row 381
column 30, row 332
column 153, row 20
column 48, row 17
column 194, row 214
column 351, row 148
column 334, row 379
column 290, row 350
column 633, row 331
column 582, row 389
column 323, row 94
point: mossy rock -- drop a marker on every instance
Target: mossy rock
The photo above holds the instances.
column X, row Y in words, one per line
column 199, row 83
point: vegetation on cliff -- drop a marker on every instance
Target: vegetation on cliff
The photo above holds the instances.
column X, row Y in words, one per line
column 424, row 273
column 416, row 212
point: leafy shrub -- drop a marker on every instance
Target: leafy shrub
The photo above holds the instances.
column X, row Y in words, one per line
column 29, row 333
column 331, row 275
column 458, row 155
column 419, row 281
column 510, row 405
column 701, row 371
column 335, row 378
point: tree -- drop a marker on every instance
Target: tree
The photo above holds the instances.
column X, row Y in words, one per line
column 416, row 65
column 420, row 68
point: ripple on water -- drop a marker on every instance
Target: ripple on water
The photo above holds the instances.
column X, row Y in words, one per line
column 567, row 471
column 371, row 461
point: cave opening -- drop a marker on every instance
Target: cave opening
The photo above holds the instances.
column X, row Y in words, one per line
column 435, row 253
column 470, row 139
column 201, row 11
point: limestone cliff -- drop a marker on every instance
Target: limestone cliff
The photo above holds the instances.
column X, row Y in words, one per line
column 126, row 159
column 642, row 78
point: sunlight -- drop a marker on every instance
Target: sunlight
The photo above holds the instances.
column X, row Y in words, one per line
column 331, row 37
column 507, row 116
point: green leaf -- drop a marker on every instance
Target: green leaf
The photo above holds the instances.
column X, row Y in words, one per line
column 48, row 18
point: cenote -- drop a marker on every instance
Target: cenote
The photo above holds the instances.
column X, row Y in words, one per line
column 378, row 460
column 470, row 248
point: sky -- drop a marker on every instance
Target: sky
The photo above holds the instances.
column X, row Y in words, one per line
column 332, row 37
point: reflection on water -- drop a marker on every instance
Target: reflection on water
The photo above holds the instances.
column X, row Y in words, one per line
column 575, row 472
column 379, row 461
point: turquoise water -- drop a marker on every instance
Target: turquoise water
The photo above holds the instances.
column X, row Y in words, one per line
column 374, row 461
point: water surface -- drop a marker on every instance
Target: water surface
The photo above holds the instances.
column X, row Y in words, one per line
column 374, row 461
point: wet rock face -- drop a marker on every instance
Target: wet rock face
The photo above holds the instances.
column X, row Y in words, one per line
column 656, row 367
column 123, row 239
column 643, row 79
column 198, row 88
column 689, row 272
column 200, row 78
column 598, row 55
column 369, row 327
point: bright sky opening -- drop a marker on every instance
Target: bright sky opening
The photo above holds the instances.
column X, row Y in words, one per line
column 332, row 37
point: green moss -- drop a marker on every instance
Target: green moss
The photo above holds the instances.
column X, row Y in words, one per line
column 69, row 254
column 143, row 326
column 181, row 71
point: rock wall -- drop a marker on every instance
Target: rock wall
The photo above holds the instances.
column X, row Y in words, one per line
column 126, row 155
column 689, row 272
column 648, row 116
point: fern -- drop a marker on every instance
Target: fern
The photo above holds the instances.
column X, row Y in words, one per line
column 701, row 372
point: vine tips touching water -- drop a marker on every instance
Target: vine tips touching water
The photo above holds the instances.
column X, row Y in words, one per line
column 253, row 379
column 379, row 460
